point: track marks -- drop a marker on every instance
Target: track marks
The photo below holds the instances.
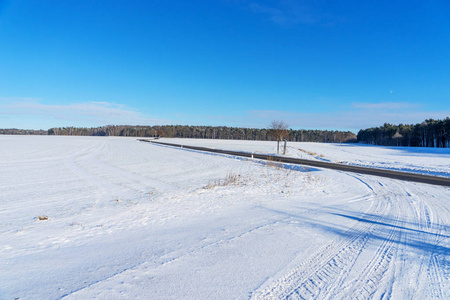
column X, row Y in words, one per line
column 330, row 265
column 399, row 241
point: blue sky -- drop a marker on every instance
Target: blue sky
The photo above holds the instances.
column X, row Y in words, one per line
column 318, row 64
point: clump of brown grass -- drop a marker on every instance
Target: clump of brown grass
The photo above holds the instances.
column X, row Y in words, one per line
column 308, row 152
column 274, row 164
column 42, row 218
column 312, row 153
column 229, row 179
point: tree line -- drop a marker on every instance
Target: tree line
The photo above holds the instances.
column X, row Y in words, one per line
column 430, row 133
column 200, row 132
column 16, row 131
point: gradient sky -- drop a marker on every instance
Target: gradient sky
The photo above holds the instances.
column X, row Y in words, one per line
column 346, row 65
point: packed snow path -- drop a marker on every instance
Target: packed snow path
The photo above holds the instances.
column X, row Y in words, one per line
column 133, row 220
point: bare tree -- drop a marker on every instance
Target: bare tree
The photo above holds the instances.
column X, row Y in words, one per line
column 160, row 133
column 279, row 130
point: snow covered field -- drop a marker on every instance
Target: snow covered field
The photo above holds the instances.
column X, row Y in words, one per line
column 128, row 219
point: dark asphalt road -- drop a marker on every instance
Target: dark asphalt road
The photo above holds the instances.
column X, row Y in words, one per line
column 435, row 180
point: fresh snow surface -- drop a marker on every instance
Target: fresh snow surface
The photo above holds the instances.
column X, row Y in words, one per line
column 133, row 220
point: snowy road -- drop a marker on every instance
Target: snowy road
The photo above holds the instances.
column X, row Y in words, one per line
column 405, row 176
column 430, row 161
column 134, row 220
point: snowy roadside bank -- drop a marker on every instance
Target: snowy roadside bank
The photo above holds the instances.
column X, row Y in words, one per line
column 428, row 161
column 291, row 163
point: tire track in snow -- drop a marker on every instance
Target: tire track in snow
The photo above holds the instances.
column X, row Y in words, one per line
column 174, row 256
column 108, row 177
column 395, row 242
column 429, row 220
column 328, row 265
column 368, row 281
column 188, row 253
column 427, row 235
column 396, row 226
column 330, row 268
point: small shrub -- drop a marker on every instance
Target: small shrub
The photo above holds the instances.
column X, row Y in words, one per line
column 272, row 163
column 308, row 152
column 229, row 179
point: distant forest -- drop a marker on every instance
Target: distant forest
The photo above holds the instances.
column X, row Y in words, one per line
column 200, row 132
column 23, row 131
column 430, row 133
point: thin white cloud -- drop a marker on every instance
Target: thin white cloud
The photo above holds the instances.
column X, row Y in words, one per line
column 283, row 14
column 75, row 114
column 289, row 12
column 19, row 99
column 31, row 113
column 355, row 118
column 386, row 105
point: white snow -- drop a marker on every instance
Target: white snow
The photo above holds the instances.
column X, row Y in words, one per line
column 132, row 220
